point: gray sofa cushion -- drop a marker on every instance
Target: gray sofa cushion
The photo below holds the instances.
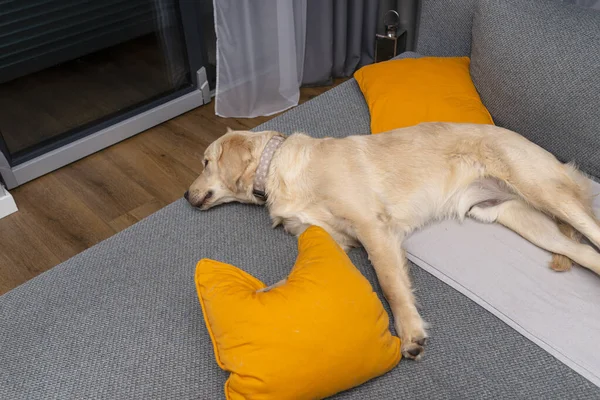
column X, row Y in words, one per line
column 546, row 87
column 444, row 27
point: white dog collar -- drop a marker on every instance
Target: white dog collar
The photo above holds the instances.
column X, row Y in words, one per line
column 260, row 178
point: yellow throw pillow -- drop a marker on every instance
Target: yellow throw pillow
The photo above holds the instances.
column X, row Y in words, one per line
column 409, row 91
column 322, row 332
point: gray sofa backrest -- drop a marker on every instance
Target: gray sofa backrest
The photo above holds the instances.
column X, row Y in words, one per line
column 444, row 27
column 546, row 84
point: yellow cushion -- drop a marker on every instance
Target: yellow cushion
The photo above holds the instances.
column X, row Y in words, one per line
column 409, row 91
column 322, row 332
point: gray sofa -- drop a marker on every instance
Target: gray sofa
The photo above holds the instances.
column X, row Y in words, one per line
column 122, row 320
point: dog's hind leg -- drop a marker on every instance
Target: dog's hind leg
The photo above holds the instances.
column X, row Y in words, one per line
column 570, row 208
column 539, row 229
column 561, row 191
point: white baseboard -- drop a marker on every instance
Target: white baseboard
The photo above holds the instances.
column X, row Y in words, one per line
column 7, row 203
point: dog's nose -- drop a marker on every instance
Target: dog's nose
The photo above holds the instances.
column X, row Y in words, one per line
column 186, row 195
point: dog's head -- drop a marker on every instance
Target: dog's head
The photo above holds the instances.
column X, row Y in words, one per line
column 230, row 164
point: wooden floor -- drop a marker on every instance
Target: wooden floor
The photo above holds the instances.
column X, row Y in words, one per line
column 71, row 209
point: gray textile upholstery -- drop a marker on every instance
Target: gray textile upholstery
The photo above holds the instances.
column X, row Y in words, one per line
column 547, row 86
column 122, row 319
column 444, row 27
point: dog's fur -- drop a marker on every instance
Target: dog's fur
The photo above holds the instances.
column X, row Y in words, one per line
column 375, row 190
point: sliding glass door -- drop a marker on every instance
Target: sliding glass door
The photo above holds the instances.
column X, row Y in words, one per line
column 79, row 75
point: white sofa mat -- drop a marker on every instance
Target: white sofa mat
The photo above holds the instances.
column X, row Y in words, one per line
column 510, row 277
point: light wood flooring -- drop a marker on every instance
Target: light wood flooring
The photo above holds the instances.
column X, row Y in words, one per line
column 77, row 206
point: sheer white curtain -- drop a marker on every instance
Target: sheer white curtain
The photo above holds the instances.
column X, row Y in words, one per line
column 260, row 55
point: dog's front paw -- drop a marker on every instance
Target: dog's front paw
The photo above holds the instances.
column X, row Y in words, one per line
column 413, row 349
column 413, row 340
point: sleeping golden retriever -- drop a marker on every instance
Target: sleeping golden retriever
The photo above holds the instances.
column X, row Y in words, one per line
column 374, row 190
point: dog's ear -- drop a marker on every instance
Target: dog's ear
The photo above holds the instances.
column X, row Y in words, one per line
column 229, row 130
column 235, row 158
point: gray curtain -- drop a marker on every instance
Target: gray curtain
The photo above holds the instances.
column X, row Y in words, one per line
column 340, row 35
column 408, row 11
